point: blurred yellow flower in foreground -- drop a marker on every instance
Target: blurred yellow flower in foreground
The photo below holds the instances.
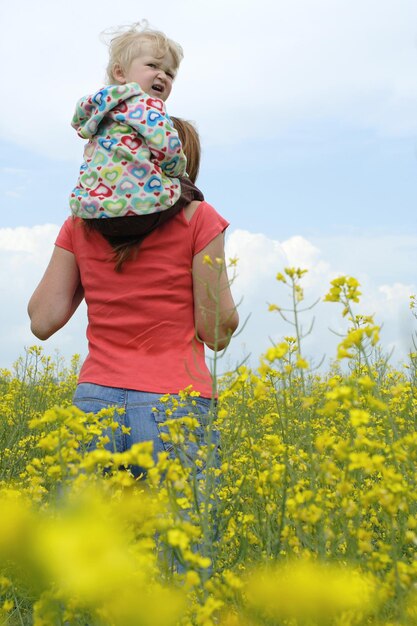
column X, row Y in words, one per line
column 15, row 522
column 308, row 592
column 92, row 551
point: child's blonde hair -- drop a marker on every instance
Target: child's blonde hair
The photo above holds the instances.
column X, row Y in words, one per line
column 126, row 42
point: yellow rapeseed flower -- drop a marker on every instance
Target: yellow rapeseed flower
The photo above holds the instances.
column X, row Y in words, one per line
column 359, row 417
column 276, row 352
column 7, row 606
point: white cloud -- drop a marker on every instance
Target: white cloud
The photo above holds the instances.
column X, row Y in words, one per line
column 394, row 305
column 263, row 66
column 260, row 258
column 396, row 291
column 37, row 241
column 24, row 255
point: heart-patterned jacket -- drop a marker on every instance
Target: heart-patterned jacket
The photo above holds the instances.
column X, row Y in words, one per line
column 133, row 156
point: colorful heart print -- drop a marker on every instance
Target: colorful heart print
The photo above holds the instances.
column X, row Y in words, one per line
column 120, row 90
column 101, row 190
column 89, row 179
column 121, row 108
column 99, row 99
column 75, row 205
column 122, row 154
column 174, row 144
column 126, row 186
column 158, row 138
column 133, row 143
column 166, row 200
column 112, row 174
column 91, row 128
column 153, row 184
column 118, row 129
column 155, row 103
column 139, row 171
column 158, row 155
column 143, row 206
column 99, row 159
column 171, row 166
column 85, row 209
column 137, row 113
column 153, row 118
column 115, row 207
column 89, row 150
column 91, row 208
column 107, row 144
column 81, row 193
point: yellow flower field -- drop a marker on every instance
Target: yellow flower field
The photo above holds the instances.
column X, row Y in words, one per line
column 311, row 518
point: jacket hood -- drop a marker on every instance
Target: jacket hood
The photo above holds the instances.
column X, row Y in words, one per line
column 91, row 110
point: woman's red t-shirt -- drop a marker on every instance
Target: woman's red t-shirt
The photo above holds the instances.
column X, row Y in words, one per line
column 141, row 332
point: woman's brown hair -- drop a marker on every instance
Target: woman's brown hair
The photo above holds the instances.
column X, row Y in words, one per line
column 120, row 231
column 191, row 146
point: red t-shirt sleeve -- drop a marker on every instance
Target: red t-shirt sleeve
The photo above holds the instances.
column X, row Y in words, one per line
column 206, row 224
column 64, row 239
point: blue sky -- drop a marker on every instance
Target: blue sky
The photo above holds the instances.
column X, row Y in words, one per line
column 308, row 117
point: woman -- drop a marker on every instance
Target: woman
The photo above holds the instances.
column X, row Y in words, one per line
column 152, row 302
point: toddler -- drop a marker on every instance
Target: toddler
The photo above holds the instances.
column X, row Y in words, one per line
column 133, row 158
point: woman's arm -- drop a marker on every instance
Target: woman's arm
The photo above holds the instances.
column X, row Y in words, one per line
column 215, row 314
column 57, row 296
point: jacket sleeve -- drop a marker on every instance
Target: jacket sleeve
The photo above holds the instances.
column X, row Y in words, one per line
column 147, row 117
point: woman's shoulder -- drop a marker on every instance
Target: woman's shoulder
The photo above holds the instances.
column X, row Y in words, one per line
column 64, row 238
column 197, row 210
column 72, row 233
column 204, row 224
column 70, row 222
column 191, row 209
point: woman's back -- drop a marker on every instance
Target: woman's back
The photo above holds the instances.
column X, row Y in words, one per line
column 141, row 328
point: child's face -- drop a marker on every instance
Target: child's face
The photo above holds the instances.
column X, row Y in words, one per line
column 154, row 74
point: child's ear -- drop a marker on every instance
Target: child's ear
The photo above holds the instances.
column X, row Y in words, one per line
column 118, row 73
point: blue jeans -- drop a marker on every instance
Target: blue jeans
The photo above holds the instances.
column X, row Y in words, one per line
column 143, row 414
